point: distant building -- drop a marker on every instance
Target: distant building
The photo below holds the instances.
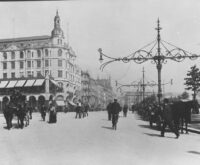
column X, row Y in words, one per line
column 106, row 91
column 96, row 92
column 133, row 97
column 33, row 57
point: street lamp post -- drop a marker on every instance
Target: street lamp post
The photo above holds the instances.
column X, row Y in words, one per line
column 154, row 54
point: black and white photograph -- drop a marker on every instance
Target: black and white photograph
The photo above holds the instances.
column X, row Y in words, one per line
column 100, row 82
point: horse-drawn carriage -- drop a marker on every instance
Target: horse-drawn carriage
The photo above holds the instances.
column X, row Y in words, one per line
column 155, row 116
column 16, row 107
column 181, row 114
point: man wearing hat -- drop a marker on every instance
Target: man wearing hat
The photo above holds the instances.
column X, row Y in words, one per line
column 115, row 109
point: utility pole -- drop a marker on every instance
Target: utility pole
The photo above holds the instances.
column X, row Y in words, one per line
column 143, row 85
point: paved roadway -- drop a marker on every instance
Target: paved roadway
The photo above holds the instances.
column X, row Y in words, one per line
column 91, row 141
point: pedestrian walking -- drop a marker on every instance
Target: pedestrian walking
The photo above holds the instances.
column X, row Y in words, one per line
column 52, row 113
column 43, row 112
column 86, row 109
column 78, row 110
column 133, row 108
column 125, row 110
column 115, row 109
column 168, row 119
column 109, row 110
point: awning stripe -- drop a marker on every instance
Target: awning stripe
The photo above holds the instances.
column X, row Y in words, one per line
column 54, row 82
column 39, row 82
column 20, row 83
column 11, row 84
column 72, row 103
column 3, row 84
column 29, row 83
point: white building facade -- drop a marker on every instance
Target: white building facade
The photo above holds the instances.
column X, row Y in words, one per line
column 41, row 56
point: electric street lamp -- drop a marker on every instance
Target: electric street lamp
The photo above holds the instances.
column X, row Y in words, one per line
column 154, row 54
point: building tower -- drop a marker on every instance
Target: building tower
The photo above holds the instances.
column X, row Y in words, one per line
column 57, row 33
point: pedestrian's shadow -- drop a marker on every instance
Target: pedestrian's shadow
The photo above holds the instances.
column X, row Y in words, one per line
column 151, row 134
column 148, row 126
column 41, row 120
column 14, row 126
column 156, row 135
column 194, row 152
column 106, row 120
column 106, row 127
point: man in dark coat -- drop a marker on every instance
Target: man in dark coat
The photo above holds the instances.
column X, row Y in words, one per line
column 133, row 108
column 78, row 110
column 43, row 112
column 86, row 107
column 52, row 113
column 115, row 109
column 109, row 111
column 168, row 119
column 125, row 110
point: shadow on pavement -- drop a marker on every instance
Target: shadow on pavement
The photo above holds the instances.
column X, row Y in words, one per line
column 5, row 127
column 106, row 120
column 14, row 125
column 194, row 152
column 107, row 127
column 157, row 135
column 153, row 135
column 147, row 126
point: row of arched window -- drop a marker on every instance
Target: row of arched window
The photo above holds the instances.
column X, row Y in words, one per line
column 29, row 53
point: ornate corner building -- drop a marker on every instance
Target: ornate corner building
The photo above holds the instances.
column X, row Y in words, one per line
column 29, row 58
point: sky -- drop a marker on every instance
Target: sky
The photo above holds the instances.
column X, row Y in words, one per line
column 118, row 27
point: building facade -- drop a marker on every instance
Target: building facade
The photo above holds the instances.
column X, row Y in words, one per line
column 36, row 56
column 97, row 92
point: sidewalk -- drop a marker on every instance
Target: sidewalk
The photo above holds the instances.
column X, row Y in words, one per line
column 194, row 126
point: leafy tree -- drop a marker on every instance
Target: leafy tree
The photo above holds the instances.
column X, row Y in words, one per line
column 184, row 95
column 192, row 81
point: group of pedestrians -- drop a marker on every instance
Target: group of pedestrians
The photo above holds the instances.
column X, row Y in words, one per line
column 81, row 109
column 51, row 110
column 114, row 108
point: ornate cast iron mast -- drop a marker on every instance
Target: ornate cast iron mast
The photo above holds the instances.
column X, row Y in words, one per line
column 158, row 52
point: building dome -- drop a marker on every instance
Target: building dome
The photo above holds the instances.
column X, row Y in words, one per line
column 57, row 31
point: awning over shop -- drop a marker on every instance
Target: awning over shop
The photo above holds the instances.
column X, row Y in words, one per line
column 11, row 84
column 3, row 84
column 20, row 83
column 72, row 103
column 29, row 83
column 38, row 82
column 60, row 103
column 54, row 82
